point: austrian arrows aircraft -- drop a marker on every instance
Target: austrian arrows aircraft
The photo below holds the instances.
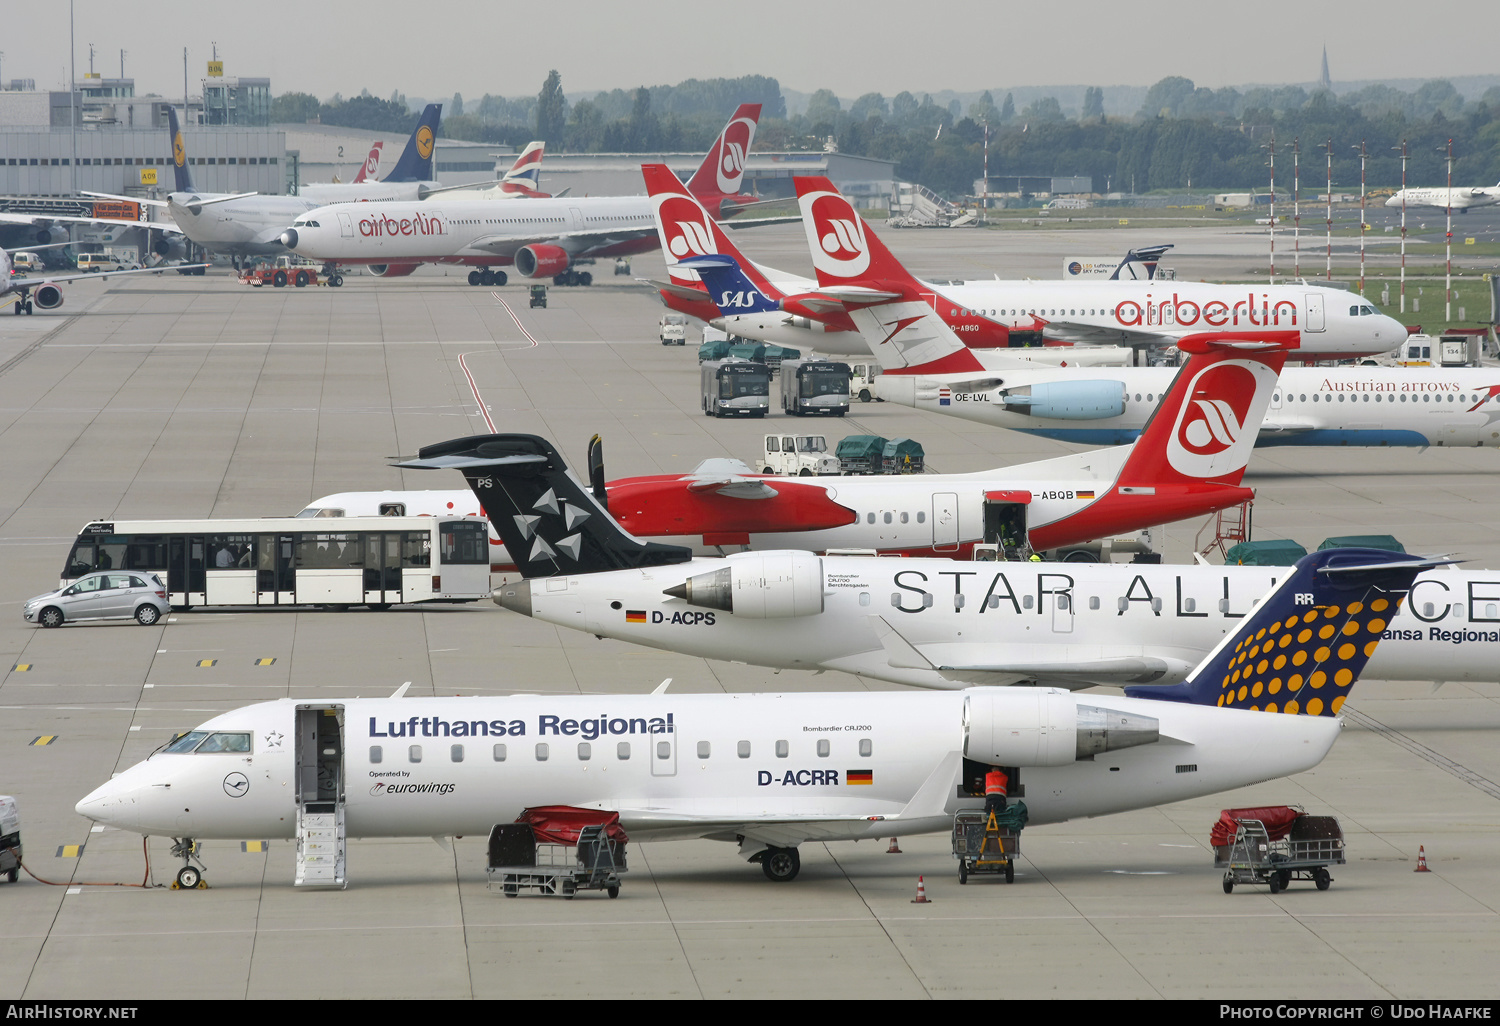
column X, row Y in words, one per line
column 542, row 238
column 767, row 772
column 1187, row 463
column 852, row 262
column 931, row 623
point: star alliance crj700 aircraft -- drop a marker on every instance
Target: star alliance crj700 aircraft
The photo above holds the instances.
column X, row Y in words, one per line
column 767, row 772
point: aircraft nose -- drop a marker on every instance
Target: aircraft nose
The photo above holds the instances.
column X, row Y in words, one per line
column 1394, row 201
column 289, row 238
column 103, row 804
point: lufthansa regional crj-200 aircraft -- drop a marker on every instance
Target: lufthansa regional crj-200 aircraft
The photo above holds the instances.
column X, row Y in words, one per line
column 1444, row 198
column 932, row 623
column 1187, row 463
column 542, row 238
column 43, row 291
column 768, row 772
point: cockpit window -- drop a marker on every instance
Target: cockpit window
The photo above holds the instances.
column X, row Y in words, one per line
column 188, row 741
column 225, row 742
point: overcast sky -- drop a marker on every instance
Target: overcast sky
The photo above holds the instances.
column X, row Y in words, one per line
column 434, row 48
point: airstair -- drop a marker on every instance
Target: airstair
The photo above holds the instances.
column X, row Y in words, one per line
column 1231, row 526
column 320, row 845
column 321, row 834
column 929, row 210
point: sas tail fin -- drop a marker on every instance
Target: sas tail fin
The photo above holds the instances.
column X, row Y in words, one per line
column 718, row 179
column 550, row 521
column 370, row 169
column 182, row 177
column 525, row 176
column 729, row 288
column 1303, row 647
column 1204, row 428
column 415, row 164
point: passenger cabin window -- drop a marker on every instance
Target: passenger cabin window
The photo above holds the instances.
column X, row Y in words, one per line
column 622, row 751
column 414, row 753
column 743, row 749
column 704, row 749
column 541, row 751
column 823, row 748
column 865, row 747
column 499, row 753
column 663, row 749
column 456, row 753
column 782, row 749
column 585, row 751
column 376, row 754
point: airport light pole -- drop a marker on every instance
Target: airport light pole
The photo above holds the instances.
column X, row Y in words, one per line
column 1271, row 278
column 1328, row 197
column 1296, row 210
column 1404, row 155
column 73, row 98
column 1362, row 156
column 1448, row 274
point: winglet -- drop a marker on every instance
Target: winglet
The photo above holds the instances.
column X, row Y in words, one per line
column 401, row 691
column 661, row 689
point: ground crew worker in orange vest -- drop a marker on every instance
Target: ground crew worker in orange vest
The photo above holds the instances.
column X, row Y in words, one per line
column 995, row 783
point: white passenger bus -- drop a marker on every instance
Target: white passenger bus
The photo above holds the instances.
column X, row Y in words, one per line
column 284, row 561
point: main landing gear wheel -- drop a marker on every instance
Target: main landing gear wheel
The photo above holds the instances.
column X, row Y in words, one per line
column 486, row 277
column 781, row 865
column 188, row 878
column 335, row 281
column 473, row 277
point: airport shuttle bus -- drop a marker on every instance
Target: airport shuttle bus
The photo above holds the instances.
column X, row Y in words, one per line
column 371, row 561
column 814, row 387
column 736, row 388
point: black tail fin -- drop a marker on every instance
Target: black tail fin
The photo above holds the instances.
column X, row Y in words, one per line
column 183, row 181
column 1307, row 642
column 549, row 520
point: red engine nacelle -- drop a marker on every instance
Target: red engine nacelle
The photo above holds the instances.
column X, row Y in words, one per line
column 392, row 270
column 541, row 261
column 48, row 297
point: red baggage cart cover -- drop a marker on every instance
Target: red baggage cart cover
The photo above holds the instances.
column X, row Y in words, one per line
column 561, row 824
column 1277, row 819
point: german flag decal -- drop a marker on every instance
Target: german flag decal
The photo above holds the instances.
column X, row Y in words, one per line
column 1085, row 495
column 635, row 616
column 859, row 777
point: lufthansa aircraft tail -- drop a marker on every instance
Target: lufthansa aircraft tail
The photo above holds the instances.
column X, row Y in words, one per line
column 415, row 164
column 550, row 521
column 183, row 178
column 1303, row 647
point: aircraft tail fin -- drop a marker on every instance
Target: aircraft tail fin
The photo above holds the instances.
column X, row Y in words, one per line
column 525, row 176
column 1305, row 644
column 1203, row 430
column 182, row 177
column 687, row 229
column 371, row 167
column 1144, row 259
column 719, row 178
column 415, row 164
column 729, row 288
column 550, row 521
column 889, row 306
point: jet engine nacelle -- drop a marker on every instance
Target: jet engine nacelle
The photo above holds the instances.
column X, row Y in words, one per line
column 541, row 261
column 168, row 247
column 759, row 585
column 1068, row 400
column 392, row 270
column 48, row 297
column 51, row 235
column 1046, row 727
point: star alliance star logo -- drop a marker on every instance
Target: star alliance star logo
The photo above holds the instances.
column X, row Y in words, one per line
column 273, row 739
column 544, row 509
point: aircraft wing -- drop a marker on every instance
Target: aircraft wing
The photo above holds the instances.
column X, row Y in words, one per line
column 576, row 243
column 759, row 222
column 22, row 284
column 33, row 219
column 673, row 288
column 1072, row 672
column 1097, row 334
column 125, row 199
column 730, row 478
column 1284, row 427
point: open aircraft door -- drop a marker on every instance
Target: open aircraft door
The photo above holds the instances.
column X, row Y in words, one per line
column 1315, row 320
column 1005, row 520
column 321, row 833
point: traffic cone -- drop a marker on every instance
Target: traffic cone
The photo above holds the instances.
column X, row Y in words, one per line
column 894, row 849
column 1421, row 860
column 921, row 898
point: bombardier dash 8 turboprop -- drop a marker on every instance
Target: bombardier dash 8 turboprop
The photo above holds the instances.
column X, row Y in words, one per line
column 852, row 263
column 1187, row 463
column 931, row 623
column 768, row 772
column 542, row 238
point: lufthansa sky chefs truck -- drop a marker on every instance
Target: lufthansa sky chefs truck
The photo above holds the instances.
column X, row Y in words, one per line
column 735, row 388
column 814, row 387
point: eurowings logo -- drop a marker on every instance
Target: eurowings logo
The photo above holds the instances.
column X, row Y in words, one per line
column 179, row 152
column 838, row 235
column 424, row 142
column 683, row 230
column 734, row 144
column 1213, row 434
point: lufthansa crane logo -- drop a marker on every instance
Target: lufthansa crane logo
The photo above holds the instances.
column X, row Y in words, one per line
column 179, row 153
column 424, row 142
column 236, row 785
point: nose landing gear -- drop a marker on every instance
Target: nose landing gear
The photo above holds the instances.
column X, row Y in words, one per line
column 189, row 877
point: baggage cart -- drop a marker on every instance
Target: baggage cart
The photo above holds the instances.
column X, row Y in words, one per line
column 988, row 842
column 1276, row 845
column 517, row 862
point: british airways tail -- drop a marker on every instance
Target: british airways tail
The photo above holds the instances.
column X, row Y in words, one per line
column 1302, row 648
column 525, row 176
column 729, row 288
column 550, row 521
column 718, row 180
column 415, row 164
column 182, row 177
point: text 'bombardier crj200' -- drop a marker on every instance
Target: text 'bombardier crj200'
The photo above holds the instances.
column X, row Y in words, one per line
column 766, row 772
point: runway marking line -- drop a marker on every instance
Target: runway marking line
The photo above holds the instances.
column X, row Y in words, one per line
column 22, row 667
column 45, row 739
column 207, row 662
column 266, row 661
column 69, row 851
